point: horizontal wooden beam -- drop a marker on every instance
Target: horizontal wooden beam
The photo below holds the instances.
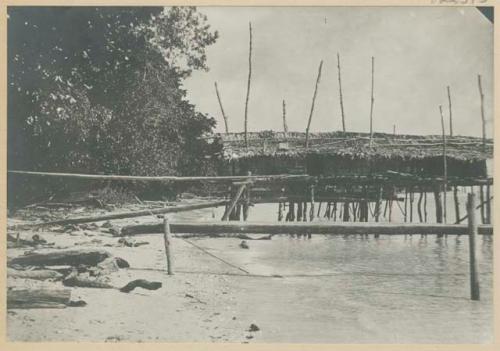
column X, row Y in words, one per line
column 274, row 177
column 210, row 228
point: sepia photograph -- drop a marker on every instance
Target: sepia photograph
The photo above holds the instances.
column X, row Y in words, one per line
column 250, row 174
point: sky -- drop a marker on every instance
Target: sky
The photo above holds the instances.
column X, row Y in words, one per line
column 417, row 51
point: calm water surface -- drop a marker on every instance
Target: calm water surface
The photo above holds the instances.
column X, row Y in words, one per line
column 336, row 289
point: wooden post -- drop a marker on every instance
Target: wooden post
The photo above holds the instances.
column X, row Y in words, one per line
column 445, row 167
column 474, row 279
column 340, row 93
column 248, row 83
column 372, row 101
column 280, row 211
column 393, row 129
column 285, row 125
column 221, row 108
column 481, row 95
column 449, row 109
column 457, row 204
column 166, row 237
column 312, row 104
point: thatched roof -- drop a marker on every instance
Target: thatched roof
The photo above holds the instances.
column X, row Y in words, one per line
column 352, row 145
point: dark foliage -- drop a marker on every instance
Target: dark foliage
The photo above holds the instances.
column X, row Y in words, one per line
column 99, row 90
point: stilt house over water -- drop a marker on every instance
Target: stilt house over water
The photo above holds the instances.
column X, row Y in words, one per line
column 351, row 167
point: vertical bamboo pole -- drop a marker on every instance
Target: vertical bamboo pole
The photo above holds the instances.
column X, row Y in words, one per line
column 481, row 95
column 449, row 109
column 166, row 237
column 474, row 280
column 221, row 108
column 285, row 125
column 312, row 104
column 340, row 94
column 393, row 129
column 248, row 83
column 280, row 211
column 445, row 166
column 372, row 101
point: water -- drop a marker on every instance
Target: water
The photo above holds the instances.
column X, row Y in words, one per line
column 352, row 289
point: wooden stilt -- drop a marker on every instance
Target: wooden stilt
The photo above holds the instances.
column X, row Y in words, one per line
column 488, row 204
column 425, row 206
column 311, row 212
column 335, row 211
column 481, row 199
column 406, row 205
column 377, row 204
column 280, row 211
column 457, row 204
column 439, row 207
column 411, row 205
column 292, row 211
column 346, row 212
column 299, row 211
column 304, row 213
column 419, row 206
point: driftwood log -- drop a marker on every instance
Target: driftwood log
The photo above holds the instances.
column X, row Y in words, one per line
column 38, row 298
column 37, row 274
column 65, row 257
column 172, row 209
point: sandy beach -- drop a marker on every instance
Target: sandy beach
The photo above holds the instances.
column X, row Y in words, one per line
column 322, row 290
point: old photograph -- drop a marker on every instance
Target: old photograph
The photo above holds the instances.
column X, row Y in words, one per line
column 250, row 174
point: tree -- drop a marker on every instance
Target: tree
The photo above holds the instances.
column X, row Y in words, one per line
column 99, row 89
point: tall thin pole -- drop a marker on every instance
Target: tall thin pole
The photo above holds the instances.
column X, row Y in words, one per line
column 472, row 225
column 340, row 93
column 285, row 126
column 445, row 166
column 449, row 109
column 372, row 101
column 167, row 242
column 482, row 109
column 312, row 105
column 221, row 108
column 248, row 83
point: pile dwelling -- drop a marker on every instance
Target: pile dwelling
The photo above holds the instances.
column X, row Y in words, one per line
column 355, row 177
